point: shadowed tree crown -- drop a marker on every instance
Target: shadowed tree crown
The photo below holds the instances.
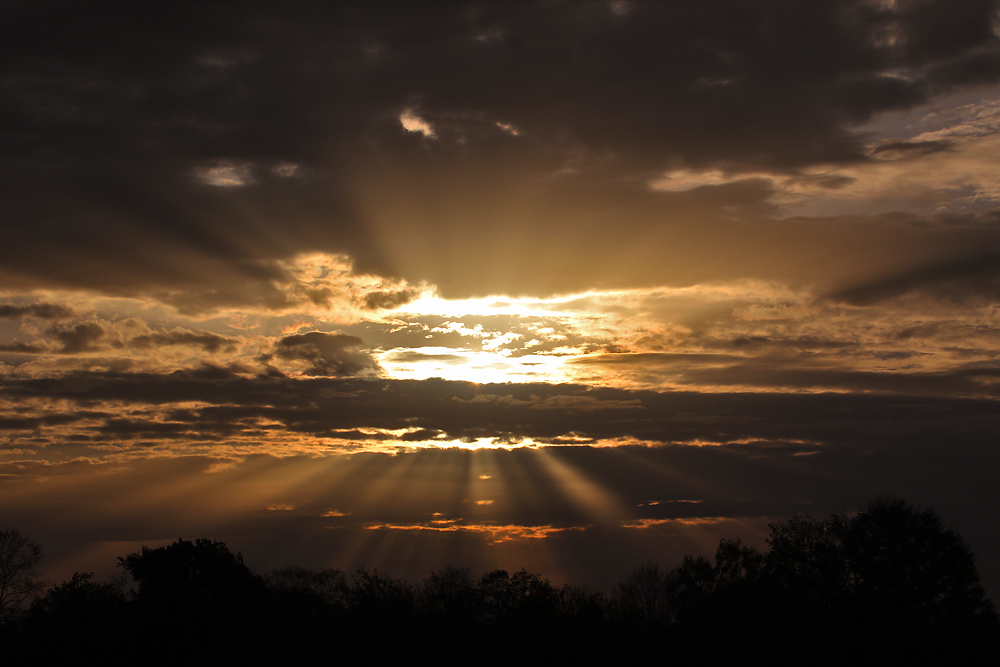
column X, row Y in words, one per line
column 891, row 563
column 204, row 572
column 19, row 559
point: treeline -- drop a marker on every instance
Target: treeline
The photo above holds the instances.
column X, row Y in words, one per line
column 887, row 584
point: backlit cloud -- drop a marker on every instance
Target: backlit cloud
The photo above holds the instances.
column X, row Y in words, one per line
column 327, row 354
column 495, row 534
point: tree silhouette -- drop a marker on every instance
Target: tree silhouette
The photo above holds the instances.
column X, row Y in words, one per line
column 890, row 579
column 200, row 594
column 19, row 559
column 905, row 564
column 523, row 600
column 582, row 606
column 379, row 597
column 806, row 565
column 643, row 600
column 320, row 588
column 80, row 601
column 450, row 596
column 306, row 610
column 888, row 584
column 83, row 614
column 205, row 573
column 737, row 564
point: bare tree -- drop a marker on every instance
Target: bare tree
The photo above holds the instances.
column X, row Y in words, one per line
column 19, row 558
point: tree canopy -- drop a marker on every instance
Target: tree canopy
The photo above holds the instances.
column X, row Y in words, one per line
column 887, row 583
column 19, row 559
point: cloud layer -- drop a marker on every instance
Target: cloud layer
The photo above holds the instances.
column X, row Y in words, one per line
column 137, row 162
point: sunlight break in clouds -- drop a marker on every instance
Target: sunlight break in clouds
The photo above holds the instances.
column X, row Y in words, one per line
column 323, row 319
column 364, row 262
column 495, row 534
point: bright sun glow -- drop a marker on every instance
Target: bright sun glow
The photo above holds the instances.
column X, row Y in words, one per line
column 432, row 304
column 468, row 365
column 496, row 355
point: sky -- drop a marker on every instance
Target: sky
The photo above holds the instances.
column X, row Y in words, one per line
column 562, row 285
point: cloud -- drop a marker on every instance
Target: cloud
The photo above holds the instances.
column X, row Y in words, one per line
column 895, row 150
column 584, row 403
column 705, row 337
column 312, row 283
column 421, row 435
column 980, row 380
column 45, row 311
column 644, row 524
column 22, row 348
column 970, row 277
column 410, row 356
column 412, row 122
column 331, row 355
column 187, row 198
column 384, row 300
column 209, row 342
column 258, row 413
column 496, row 534
column 226, row 174
column 80, row 338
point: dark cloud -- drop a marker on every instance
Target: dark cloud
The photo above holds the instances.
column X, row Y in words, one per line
column 209, row 342
column 826, row 181
column 894, row 150
column 411, row 356
column 653, row 359
column 262, row 284
column 274, row 129
column 901, row 408
column 45, row 311
column 80, row 338
column 968, row 69
column 969, row 381
column 328, row 354
column 387, row 300
column 22, row 348
column 974, row 276
column 795, row 343
column 791, row 366
column 421, row 434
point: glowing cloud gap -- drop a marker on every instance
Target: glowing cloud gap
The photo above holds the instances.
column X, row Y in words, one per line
column 497, row 533
column 643, row 524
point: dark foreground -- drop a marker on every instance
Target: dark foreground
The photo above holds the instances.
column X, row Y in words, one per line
column 886, row 585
